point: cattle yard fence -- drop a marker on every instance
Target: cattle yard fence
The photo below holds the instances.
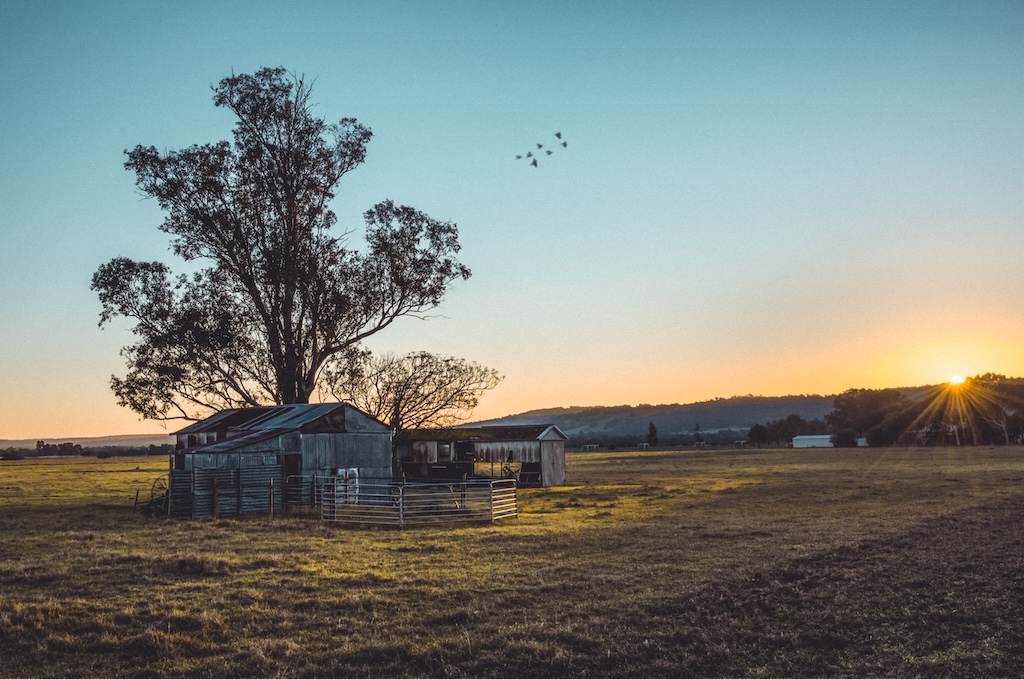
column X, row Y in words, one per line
column 356, row 502
column 342, row 499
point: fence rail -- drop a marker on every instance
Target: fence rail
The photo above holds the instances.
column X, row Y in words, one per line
column 307, row 490
column 211, row 493
column 405, row 505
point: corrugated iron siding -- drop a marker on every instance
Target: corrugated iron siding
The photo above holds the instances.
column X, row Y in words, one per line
column 369, row 452
column 239, row 491
column 498, row 451
column 230, row 460
column 483, row 451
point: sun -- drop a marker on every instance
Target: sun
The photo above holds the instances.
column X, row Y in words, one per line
column 957, row 379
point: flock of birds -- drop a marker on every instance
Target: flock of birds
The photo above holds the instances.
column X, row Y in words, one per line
column 534, row 155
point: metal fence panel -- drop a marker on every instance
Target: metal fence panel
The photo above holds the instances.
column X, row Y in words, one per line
column 405, row 505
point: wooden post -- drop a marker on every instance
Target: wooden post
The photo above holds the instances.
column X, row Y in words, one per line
column 270, row 499
column 136, row 505
column 216, row 513
column 239, row 485
column 329, row 497
column 401, row 506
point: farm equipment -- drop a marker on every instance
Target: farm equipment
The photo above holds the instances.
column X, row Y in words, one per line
column 157, row 504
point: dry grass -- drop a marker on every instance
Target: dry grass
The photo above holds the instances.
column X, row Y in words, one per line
column 782, row 563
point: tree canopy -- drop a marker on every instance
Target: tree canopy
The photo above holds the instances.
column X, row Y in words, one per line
column 862, row 409
column 652, row 434
column 984, row 409
column 782, row 431
column 283, row 298
column 412, row 391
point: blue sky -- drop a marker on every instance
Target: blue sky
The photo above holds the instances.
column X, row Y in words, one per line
column 757, row 197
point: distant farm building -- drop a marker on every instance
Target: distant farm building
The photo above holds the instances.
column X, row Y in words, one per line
column 813, row 441
column 249, row 460
column 533, row 454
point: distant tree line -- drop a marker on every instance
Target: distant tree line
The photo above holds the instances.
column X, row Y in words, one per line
column 781, row 432
column 68, row 449
column 721, row 437
column 984, row 410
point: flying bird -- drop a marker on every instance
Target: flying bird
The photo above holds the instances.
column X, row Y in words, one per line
column 547, row 151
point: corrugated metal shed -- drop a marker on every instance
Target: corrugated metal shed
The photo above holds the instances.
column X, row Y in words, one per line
column 812, row 441
column 535, row 452
column 300, row 441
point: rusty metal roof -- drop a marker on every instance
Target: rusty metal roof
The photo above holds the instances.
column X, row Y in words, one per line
column 239, row 440
column 283, row 417
column 525, row 432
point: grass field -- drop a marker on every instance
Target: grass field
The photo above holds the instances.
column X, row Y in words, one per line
column 773, row 563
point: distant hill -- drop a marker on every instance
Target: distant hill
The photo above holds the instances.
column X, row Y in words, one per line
column 122, row 441
column 737, row 413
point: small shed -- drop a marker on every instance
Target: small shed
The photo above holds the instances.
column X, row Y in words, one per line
column 278, row 450
column 535, row 454
column 813, row 441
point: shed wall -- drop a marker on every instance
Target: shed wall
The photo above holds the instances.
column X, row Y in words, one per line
column 499, row 451
column 369, row 452
column 552, row 463
column 823, row 441
column 264, row 458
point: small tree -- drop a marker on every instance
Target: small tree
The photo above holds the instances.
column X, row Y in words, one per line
column 758, row 435
column 416, row 390
column 845, row 438
column 652, row 435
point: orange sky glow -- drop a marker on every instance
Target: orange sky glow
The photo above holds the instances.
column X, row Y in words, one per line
column 763, row 198
column 824, row 372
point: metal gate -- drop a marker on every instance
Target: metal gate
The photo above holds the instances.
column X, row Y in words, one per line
column 405, row 505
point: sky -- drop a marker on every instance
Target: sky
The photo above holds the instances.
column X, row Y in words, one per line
column 756, row 197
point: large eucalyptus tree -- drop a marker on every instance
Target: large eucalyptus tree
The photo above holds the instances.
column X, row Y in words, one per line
column 283, row 296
